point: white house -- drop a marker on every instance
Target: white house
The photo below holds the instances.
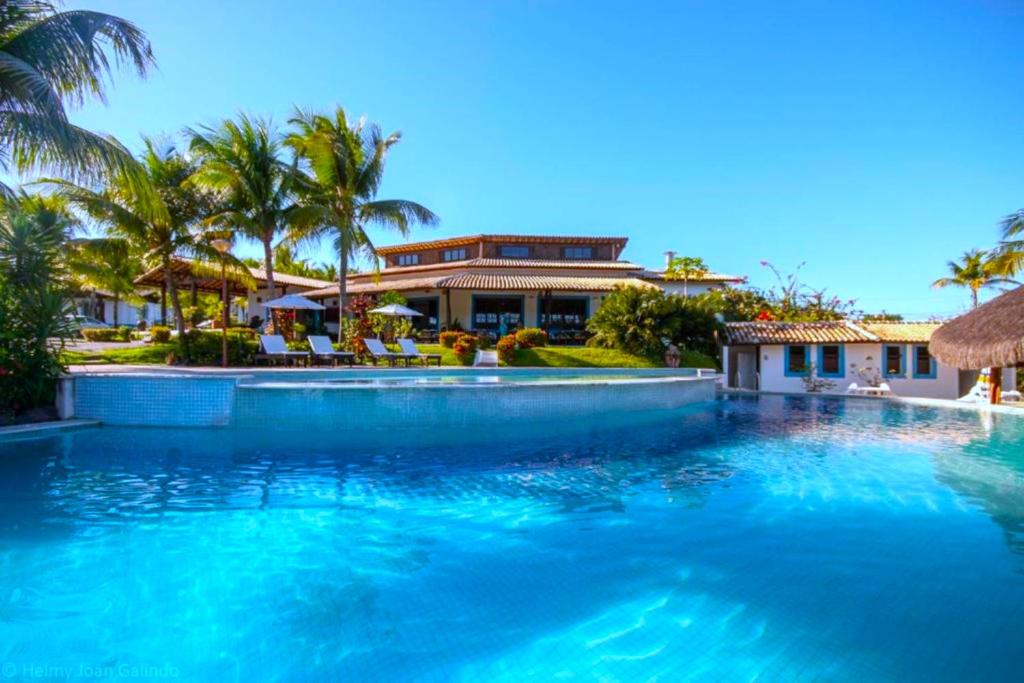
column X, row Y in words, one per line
column 774, row 356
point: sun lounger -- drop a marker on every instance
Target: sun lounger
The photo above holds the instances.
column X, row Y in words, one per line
column 485, row 359
column 378, row 351
column 274, row 349
column 1012, row 396
column 323, row 350
column 408, row 347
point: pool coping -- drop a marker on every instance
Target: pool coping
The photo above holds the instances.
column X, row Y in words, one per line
column 34, row 428
column 1002, row 409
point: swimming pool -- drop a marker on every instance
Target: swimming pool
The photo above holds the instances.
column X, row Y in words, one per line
column 790, row 538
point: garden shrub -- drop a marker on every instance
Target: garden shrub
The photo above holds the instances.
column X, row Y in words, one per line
column 159, row 334
column 465, row 348
column 531, row 337
column 202, row 347
column 507, row 349
column 448, row 339
column 107, row 334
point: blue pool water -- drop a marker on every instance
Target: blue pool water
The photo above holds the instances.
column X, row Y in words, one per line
column 770, row 539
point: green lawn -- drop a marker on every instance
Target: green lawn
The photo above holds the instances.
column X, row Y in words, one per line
column 150, row 354
column 544, row 357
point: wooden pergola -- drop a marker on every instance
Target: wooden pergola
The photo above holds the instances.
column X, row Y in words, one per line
column 990, row 336
column 188, row 277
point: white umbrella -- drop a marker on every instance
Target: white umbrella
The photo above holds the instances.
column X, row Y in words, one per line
column 396, row 310
column 294, row 302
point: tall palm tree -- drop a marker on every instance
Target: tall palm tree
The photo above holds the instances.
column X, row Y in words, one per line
column 157, row 220
column 1009, row 255
column 975, row 270
column 240, row 162
column 345, row 164
column 49, row 59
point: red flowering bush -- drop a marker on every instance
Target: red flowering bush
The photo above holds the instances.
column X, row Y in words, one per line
column 448, row 339
column 507, row 349
column 465, row 348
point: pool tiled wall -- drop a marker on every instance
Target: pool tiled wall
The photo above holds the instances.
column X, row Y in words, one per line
column 186, row 401
column 212, row 401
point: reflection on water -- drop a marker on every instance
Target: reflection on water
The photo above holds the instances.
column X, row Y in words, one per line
column 786, row 538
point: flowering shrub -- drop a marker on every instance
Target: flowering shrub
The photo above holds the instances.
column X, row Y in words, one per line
column 530, row 337
column 507, row 349
column 448, row 339
column 160, row 334
column 465, row 348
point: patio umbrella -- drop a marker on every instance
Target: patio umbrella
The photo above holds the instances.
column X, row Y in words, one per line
column 396, row 311
column 294, row 302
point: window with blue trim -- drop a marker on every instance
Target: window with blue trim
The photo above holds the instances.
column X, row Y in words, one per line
column 408, row 259
column 831, row 361
column 925, row 366
column 893, row 362
column 454, row 254
column 577, row 253
column 509, row 251
column 797, row 360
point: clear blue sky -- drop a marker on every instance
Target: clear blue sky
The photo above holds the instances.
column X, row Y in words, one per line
column 873, row 140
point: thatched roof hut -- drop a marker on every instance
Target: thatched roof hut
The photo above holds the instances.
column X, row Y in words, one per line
column 990, row 336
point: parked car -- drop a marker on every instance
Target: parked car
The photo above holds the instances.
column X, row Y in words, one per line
column 79, row 322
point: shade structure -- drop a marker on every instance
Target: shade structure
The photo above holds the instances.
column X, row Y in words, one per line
column 396, row 310
column 294, row 302
column 990, row 336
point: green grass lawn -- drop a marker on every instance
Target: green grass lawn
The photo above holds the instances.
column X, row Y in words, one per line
column 150, row 354
column 544, row 357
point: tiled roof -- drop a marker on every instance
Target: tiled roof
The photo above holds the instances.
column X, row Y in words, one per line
column 910, row 332
column 796, row 333
column 186, row 269
column 837, row 332
column 287, row 279
column 507, row 263
column 488, row 282
column 538, row 282
column 508, row 239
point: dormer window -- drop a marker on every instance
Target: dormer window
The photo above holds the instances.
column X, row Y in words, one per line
column 582, row 253
column 511, row 251
column 454, row 254
column 408, row 259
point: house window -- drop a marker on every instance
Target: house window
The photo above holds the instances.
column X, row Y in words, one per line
column 454, row 254
column 566, row 313
column 831, row 361
column 892, row 358
column 577, row 253
column 408, row 259
column 429, row 310
column 509, row 251
column 796, row 360
column 924, row 365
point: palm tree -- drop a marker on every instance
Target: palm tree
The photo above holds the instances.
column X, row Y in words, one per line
column 975, row 270
column 239, row 161
column 685, row 267
column 106, row 263
column 1009, row 255
column 346, row 165
column 156, row 220
column 49, row 59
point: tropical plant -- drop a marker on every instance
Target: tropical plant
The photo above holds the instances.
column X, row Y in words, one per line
column 975, row 270
column 1008, row 257
column 686, row 267
column 157, row 216
column 635, row 320
column 240, row 163
column 34, row 298
column 107, row 264
column 52, row 59
column 345, row 163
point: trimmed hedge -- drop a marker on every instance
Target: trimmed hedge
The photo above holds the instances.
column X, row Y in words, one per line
column 158, row 334
column 448, row 339
column 107, row 334
column 531, row 337
column 203, row 347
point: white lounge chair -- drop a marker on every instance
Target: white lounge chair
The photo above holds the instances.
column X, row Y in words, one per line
column 977, row 394
column 1012, row 396
column 408, row 347
column 853, row 388
column 323, row 350
column 377, row 351
column 884, row 389
column 485, row 359
column 274, row 349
